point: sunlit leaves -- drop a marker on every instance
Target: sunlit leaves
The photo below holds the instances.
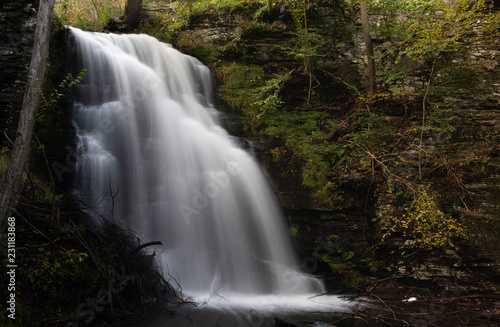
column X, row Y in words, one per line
column 88, row 14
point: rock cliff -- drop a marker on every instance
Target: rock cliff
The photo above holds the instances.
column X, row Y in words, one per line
column 461, row 145
column 17, row 23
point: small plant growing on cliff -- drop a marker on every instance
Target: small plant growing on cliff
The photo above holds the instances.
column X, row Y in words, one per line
column 66, row 84
column 50, row 98
column 420, row 221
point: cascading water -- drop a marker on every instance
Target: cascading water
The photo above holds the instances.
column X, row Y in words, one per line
column 153, row 156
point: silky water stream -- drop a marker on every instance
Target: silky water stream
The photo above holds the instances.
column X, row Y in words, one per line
column 153, row 157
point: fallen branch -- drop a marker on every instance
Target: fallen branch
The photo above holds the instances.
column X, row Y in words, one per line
column 145, row 245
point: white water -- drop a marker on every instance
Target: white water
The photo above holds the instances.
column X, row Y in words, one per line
column 153, row 156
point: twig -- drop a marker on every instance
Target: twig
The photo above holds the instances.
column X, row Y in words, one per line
column 89, row 250
column 7, row 137
column 385, row 304
column 96, row 9
column 376, row 282
column 48, row 169
column 113, row 196
column 351, row 86
column 142, row 246
column 353, row 317
column 390, row 172
column 40, row 245
column 494, row 313
column 41, row 233
column 423, row 117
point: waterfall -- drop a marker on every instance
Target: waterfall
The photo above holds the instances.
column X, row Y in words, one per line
column 153, row 157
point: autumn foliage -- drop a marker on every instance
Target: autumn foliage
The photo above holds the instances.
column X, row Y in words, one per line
column 88, row 14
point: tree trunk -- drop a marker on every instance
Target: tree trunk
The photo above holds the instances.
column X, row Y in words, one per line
column 369, row 49
column 21, row 147
column 132, row 13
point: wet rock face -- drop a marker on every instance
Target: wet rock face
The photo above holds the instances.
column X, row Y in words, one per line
column 217, row 28
column 473, row 114
column 17, row 25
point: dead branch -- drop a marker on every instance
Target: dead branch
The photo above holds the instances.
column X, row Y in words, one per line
column 145, row 245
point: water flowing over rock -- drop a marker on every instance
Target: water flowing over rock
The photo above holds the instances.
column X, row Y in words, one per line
column 152, row 156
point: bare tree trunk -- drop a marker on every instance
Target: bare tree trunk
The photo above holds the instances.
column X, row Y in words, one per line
column 19, row 156
column 132, row 13
column 369, row 49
